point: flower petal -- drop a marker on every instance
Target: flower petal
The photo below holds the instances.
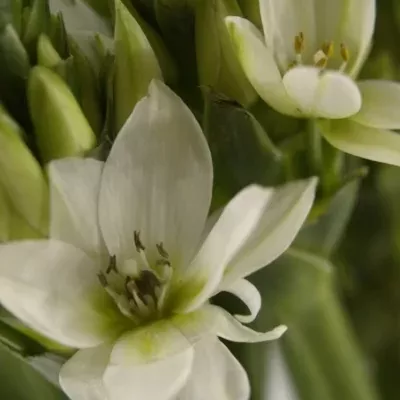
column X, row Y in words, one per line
column 284, row 215
column 359, row 140
column 74, row 191
column 203, row 275
column 255, row 228
column 152, row 362
column 81, row 377
column 157, row 179
column 216, row 374
column 282, row 21
column 250, row 295
column 357, row 27
column 329, row 94
column 229, row 328
column 53, row 287
column 258, row 64
column 380, row 104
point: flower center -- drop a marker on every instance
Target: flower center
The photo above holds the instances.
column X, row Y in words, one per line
column 322, row 56
column 138, row 289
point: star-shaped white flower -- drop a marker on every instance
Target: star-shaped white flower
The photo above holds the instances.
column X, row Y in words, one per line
column 131, row 263
column 305, row 65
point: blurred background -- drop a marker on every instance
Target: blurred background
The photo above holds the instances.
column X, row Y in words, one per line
column 337, row 288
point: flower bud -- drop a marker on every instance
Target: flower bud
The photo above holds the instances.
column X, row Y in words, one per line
column 218, row 66
column 46, row 53
column 135, row 64
column 60, row 125
column 21, row 178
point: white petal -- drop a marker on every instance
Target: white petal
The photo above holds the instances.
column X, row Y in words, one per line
column 53, row 288
column 238, row 220
column 282, row 21
column 326, row 95
column 258, row 64
column 357, row 30
column 81, row 377
column 157, row 179
column 74, row 191
column 380, row 104
column 359, row 140
column 153, row 362
column 250, row 295
column 283, row 217
column 216, row 374
column 229, row 328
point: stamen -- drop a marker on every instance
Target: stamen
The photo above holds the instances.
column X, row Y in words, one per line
column 138, row 242
column 299, row 44
column 328, row 48
column 320, row 59
column 161, row 250
column 112, row 265
column 345, row 54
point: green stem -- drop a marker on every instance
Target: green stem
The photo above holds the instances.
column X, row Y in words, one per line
column 314, row 147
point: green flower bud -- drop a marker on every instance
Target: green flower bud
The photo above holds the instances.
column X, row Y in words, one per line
column 21, row 179
column 46, row 54
column 60, row 125
column 37, row 23
column 135, row 64
column 218, row 66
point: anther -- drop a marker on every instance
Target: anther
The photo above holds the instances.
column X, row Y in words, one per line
column 102, row 279
column 299, row 44
column 320, row 59
column 328, row 48
column 163, row 253
column 344, row 52
column 112, row 265
column 138, row 242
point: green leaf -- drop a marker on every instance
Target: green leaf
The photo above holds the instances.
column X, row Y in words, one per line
column 19, row 381
column 323, row 233
column 242, row 151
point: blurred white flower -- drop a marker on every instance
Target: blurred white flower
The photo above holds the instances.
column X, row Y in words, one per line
column 129, row 267
column 305, row 65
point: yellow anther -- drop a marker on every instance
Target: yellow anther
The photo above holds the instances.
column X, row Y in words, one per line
column 322, row 63
column 320, row 59
column 299, row 43
column 328, row 48
column 344, row 52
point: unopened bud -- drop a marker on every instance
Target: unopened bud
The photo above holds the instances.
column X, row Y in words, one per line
column 135, row 64
column 60, row 125
column 46, row 54
column 218, row 65
column 22, row 178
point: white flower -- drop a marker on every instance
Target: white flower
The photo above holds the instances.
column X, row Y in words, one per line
column 128, row 271
column 305, row 65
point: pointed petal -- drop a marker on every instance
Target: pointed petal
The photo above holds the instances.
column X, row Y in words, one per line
column 81, row 377
column 157, row 179
column 380, row 104
column 283, row 217
column 258, row 64
column 53, row 287
column 255, row 228
column 229, row 328
column 74, row 191
column 359, row 140
column 282, row 21
column 238, row 220
column 357, row 31
column 153, row 362
column 250, row 295
column 329, row 94
column 216, row 374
